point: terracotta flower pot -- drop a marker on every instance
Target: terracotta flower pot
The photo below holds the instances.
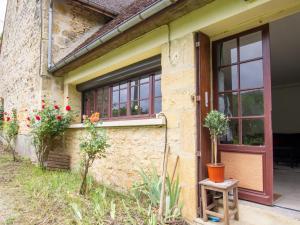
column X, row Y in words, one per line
column 216, row 172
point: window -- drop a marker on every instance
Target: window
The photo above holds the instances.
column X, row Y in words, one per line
column 240, row 88
column 135, row 97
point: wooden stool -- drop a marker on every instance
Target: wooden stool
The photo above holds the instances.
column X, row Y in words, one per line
column 224, row 188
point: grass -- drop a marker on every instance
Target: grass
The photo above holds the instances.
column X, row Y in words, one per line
column 46, row 197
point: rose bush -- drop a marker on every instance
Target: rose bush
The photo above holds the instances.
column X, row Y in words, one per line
column 93, row 145
column 47, row 124
column 10, row 131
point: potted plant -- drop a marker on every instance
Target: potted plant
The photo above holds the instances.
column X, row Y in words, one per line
column 217, row 123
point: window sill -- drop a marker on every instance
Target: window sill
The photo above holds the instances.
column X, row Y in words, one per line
column 153, row 122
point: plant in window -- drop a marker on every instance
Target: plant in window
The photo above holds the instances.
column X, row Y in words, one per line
column 93, row 146
column 218, row 124
column 48, row 124
column 10, row 132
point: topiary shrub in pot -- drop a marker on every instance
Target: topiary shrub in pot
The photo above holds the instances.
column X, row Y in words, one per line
column 218, row 124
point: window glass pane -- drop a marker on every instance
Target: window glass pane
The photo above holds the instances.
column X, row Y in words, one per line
column 134, row 93
column 134, row 82
column 123, row 85
column 144, row 91
column 253, row 132
column 250, row 46
column 144, row 79
column 115, row 97
column 123, row 95
column 158, row 76
column 228, row 78
column 227, row 52
column 251, row 75
column 144, row 107
column 228, row 104
column 89, row 102
column 116, row 87
column 157, row 105
column 115, row 110
column 232, row 136
column 105, row 105
column 123, row 109
column 134, row 108
column 252, row 103
column 157, row 88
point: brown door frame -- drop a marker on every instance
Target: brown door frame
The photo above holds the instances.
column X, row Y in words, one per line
column 266, row 196
column 203, row 100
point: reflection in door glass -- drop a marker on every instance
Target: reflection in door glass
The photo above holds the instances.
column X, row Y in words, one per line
column 228, row 78
column 251, row 46
column 251, row 75
column 232, row 136
column 253, row 132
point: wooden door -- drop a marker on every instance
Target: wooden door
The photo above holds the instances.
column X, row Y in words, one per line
column 242, row 90
column 203, row 89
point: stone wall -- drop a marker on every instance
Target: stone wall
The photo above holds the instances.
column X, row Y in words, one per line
column 179, row 70
column 72, row 24
column 130, row 150
column 20, row 57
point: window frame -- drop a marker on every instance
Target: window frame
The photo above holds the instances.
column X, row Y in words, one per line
column 128, row 116
column 240, row 147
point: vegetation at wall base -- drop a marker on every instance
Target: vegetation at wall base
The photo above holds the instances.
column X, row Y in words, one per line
column 47, row 124
column 93, row 146
column 9, row 132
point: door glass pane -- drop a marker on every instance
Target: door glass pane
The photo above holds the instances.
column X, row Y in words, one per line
column 252, row 103
column 157, row 105
column 134, row 108
column 144, row 91
column 144, row 107
column 227, row 52
column 123, row 109
column 228, row 79
column 251, row 46
column 251, row 75
column 253, row 132
column 232, row 136
column 228, row 104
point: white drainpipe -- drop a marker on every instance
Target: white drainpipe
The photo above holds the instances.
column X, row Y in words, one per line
column 127, row 24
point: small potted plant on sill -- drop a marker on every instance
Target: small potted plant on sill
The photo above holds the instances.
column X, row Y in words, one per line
column 217, row 123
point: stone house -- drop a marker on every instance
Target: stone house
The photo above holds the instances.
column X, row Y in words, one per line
column 137, row 60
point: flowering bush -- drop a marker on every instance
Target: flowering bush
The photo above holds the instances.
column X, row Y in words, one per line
column 47, row 124
column 93, row 145
column 1, row 117
column 10, row 132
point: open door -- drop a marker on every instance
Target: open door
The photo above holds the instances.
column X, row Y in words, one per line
column 242, row 91
column 203, row 89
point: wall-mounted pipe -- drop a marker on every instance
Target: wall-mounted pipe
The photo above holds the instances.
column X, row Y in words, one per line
column 127, row 24
column 50, row 25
